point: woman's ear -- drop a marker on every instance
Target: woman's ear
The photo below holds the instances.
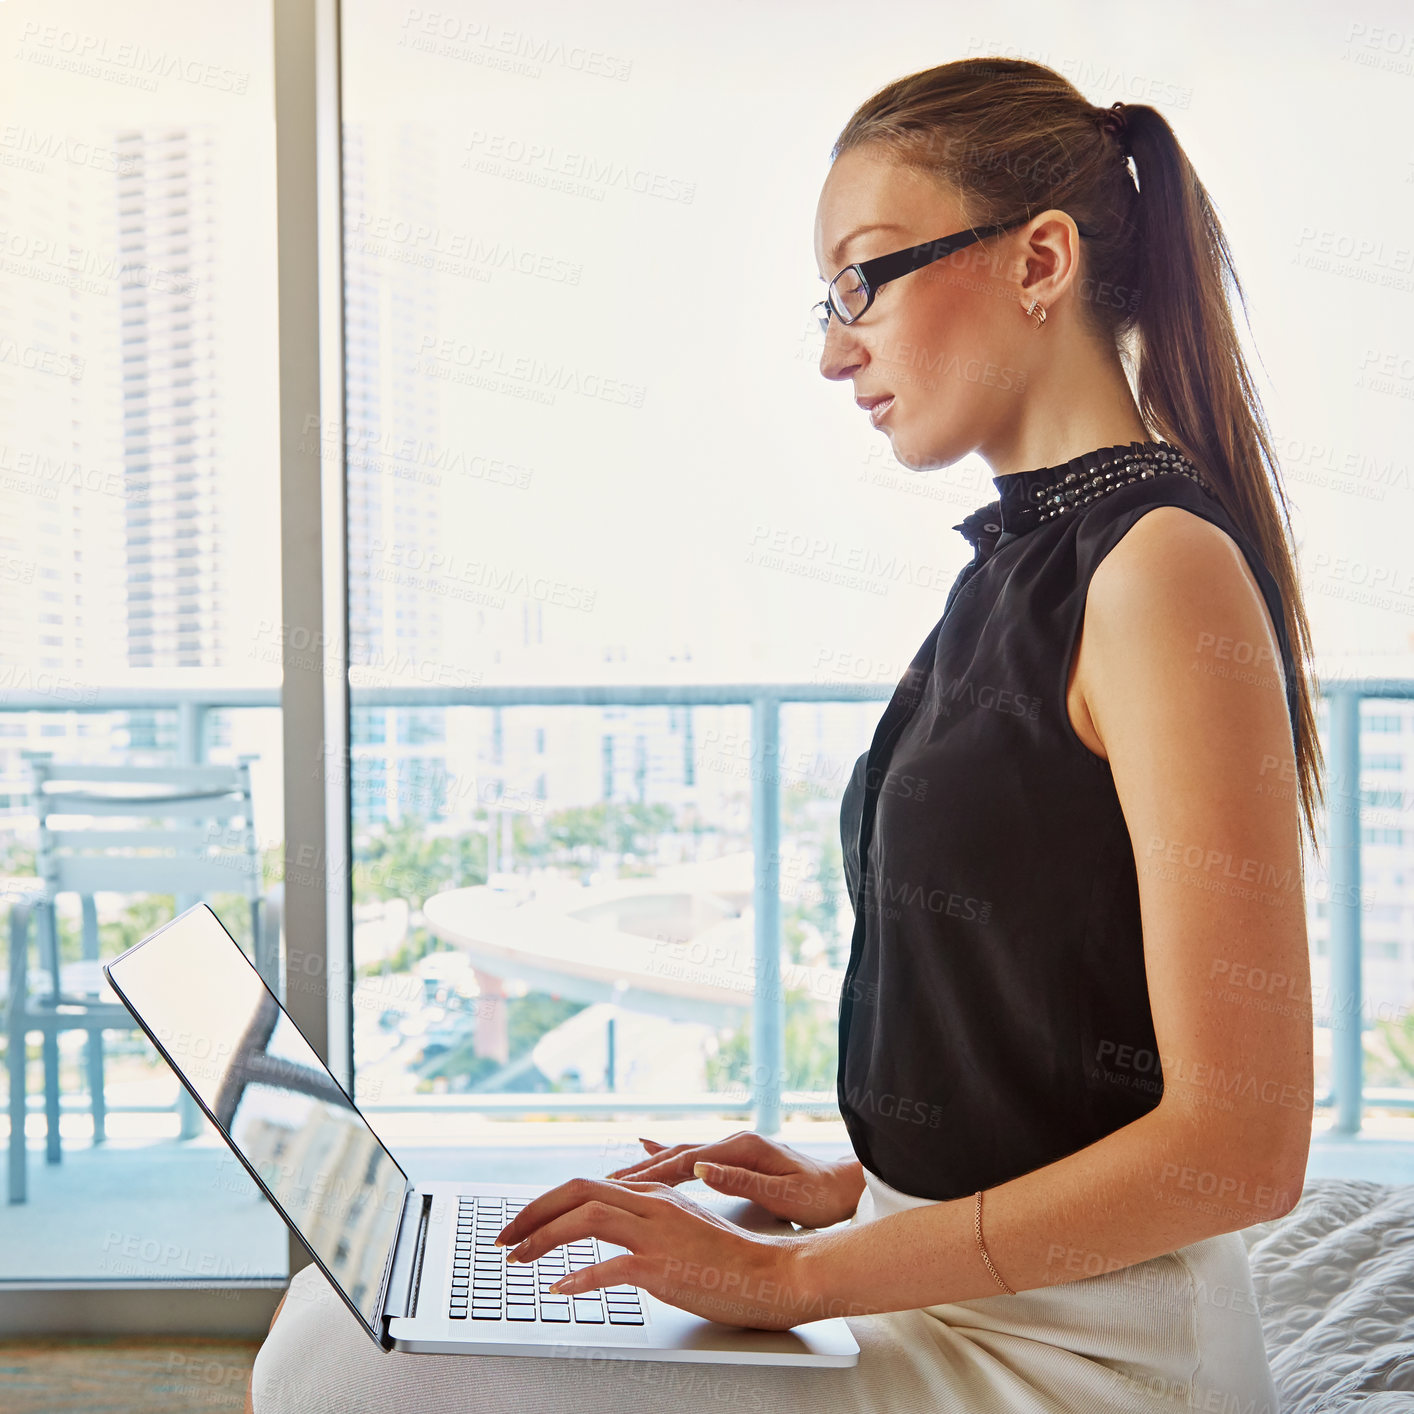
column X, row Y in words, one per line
column 1050, row 256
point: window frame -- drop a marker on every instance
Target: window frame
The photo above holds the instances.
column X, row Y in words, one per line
column 318, row 920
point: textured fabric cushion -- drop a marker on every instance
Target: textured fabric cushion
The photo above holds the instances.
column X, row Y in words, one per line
column 1335, row 1281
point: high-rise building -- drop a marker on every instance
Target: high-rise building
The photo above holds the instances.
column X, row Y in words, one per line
column 396, row 618
column 181, row 575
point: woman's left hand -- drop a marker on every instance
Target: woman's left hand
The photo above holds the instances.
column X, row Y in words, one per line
column 679, row 1250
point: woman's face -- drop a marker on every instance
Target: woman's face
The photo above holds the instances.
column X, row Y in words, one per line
column 946, row 342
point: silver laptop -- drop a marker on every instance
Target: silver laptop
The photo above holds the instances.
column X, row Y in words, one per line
column 415, row 1262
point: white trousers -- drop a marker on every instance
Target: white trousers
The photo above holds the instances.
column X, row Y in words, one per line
column 1178, row 1332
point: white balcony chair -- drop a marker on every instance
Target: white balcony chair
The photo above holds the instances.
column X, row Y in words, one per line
column 186, row 831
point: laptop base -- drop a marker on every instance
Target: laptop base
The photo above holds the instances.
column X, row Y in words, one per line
column 667, row 1333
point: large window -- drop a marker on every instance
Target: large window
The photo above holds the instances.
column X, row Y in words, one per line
column 590, row 450
column 139, row 582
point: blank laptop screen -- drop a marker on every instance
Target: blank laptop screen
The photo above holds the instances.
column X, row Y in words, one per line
column 274, row 1099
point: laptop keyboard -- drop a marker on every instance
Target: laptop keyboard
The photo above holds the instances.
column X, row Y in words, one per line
column 486, row 1288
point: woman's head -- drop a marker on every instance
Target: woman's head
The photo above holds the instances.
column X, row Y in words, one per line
column 986, row 141
column 952, row 342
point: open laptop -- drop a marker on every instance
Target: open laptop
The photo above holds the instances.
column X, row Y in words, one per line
column 415, row 1262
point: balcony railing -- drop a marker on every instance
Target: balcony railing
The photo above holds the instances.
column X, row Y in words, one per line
column 767, row 1100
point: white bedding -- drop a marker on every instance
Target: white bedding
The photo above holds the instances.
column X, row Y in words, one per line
column 1335, row 1281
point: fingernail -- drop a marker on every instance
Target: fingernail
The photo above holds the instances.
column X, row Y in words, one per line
column 704, row 1170
column 557, row 1286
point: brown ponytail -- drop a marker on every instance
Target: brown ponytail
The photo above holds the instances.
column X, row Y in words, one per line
column 1013, row 138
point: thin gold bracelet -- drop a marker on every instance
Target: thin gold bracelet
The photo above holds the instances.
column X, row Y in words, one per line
column 982, row 1246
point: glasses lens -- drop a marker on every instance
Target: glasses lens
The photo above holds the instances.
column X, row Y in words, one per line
column 822, row 312
column 849, row 294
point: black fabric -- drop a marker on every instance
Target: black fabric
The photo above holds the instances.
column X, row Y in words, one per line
column 995, row 1014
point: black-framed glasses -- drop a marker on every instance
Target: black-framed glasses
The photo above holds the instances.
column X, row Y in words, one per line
column 852, row 291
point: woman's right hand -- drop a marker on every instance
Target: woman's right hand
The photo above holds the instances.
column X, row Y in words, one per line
column 811, row 1192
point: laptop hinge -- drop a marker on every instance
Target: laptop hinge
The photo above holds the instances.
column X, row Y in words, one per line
column 407, row 1259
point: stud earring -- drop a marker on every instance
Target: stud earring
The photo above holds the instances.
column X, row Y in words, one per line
column 1037, row 311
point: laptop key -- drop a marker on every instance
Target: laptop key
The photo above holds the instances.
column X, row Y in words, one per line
column 554, row 1313
column 520, row 1313
column 588, row 1313
column 625, row 1318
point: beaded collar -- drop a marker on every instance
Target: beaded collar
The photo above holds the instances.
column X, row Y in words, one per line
column 1027, row 499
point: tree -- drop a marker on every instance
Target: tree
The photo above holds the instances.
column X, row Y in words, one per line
column 1389, row 1058
column 811, row 1048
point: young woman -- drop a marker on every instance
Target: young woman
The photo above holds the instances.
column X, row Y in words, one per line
column 1075, row 1034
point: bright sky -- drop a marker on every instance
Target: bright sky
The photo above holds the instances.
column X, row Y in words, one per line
column 1298, row 127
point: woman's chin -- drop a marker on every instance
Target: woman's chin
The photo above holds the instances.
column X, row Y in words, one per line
column 907, row 457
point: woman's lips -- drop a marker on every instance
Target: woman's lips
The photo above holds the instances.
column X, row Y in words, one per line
column 879, row 409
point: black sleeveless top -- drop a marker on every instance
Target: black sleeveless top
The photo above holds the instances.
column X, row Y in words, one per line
column 995, row 1015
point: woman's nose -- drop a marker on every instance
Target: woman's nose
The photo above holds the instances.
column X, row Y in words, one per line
column 840, row 356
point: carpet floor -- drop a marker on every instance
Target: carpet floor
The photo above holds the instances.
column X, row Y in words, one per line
column 171, row 1376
